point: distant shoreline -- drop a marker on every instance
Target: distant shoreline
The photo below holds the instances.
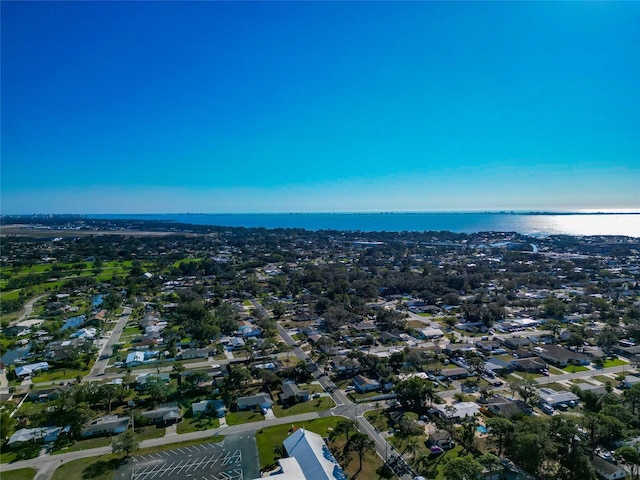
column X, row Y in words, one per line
column 439, row 212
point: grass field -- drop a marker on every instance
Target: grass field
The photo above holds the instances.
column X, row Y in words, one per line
column 21, row 474
column 193, row 424
column 144, row 433
column 575, row 368
column 614, row 362
column 313, row 405
column 268, row 438
column 235, row 418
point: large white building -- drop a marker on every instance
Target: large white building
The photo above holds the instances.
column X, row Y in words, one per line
column 309, row 459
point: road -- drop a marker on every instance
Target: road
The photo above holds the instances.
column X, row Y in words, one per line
column 28, row 309
column 105, row 352
column 46, row 464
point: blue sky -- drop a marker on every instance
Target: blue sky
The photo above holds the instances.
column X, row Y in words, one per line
column 115, row 107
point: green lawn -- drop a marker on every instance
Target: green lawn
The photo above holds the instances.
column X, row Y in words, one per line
column 313, row 405
column 614, row 362
column 21, row 474
column 21, row 453
column 201, row 422
column 268, row 438
column 575, row 368
column 556, row 371
column 604, row 379
column 61, row 374
column 144, row 433
column 235, row 418
column 94, row 468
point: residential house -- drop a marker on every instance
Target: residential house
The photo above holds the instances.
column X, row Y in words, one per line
column 37, row 435
column 134, row 358
column 606, row 470
column 455, row 373
column 488, row 345
column 262, row 400
column 515, row 342
column 107, row 425
column 141, row 380
column 458, row 349
column 291, row 393
column 194, row 353
column 60, row 351
column 497, row 366
column 456, row 411
column 440, row 438
column 345, row 365
column 629, row 381
column 216, row 407
column 47, row 394
column 236, row 343
column 561, row 356
column 164, row 415
column 364, row 384
column 507, row 408
column 389, row 337
column 531, row 365
column 554, row 398
column 247, row 329
column 25, row 371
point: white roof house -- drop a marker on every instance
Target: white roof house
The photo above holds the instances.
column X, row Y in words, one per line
column 553, row 398
column 27, row 370
column 313, row 456
column 135, row 358
column 460, row 410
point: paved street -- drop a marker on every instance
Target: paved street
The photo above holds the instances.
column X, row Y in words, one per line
column 105, row 352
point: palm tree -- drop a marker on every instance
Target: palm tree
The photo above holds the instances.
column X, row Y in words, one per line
column 178, row 368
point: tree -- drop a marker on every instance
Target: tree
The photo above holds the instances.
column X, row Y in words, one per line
column 78, row 415
column 632, row 397
column 499, row 429
column 361, row 444
column 462, row 468
column 414, row 393
column 110, row 392
column 178, row 368
column 127, row 442
column 279, row 310
column 527, row 389
column 468, row 433
column 606, row 340
column 7, row 425
column 238, row 378
column 157, row 390
column 490, row 462
column 345, row 427
column 476, row 367
column 631, row 458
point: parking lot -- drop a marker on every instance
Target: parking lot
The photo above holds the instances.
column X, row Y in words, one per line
column 207, row 461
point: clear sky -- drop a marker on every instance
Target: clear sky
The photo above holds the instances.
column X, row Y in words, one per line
column 114, row 107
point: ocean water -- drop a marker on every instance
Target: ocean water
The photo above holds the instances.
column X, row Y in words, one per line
column 536, row 224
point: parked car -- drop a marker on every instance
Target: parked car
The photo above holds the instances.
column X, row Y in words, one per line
column 548, row 409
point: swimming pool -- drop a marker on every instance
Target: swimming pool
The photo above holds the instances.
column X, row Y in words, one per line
column 482, row 429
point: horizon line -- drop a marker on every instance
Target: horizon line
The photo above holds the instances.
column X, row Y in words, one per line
column 621, row 211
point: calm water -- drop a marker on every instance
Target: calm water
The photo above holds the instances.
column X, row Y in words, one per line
column 527, row 224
